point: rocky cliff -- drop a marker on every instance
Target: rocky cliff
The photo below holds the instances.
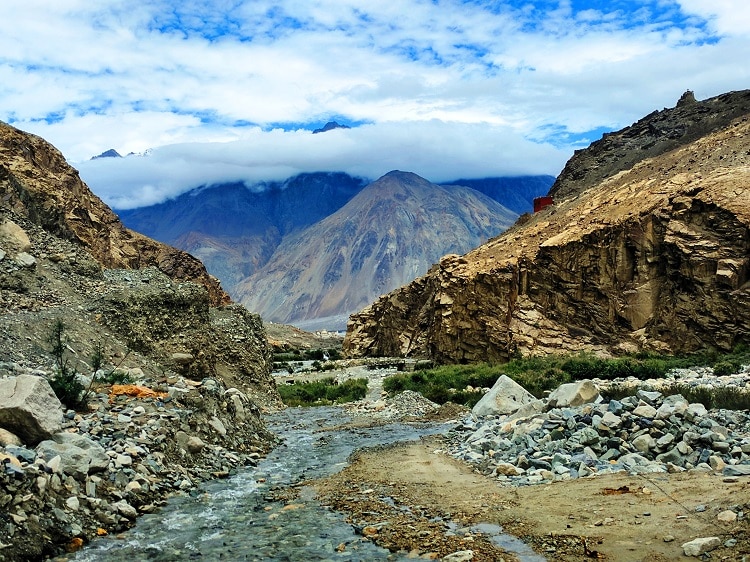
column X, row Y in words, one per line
column 646, row 247
column 36, row 182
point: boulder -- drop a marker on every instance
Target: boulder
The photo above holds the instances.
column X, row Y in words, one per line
column 696, row 547
column 574, row 394
column 8, row 438
column 29, row 408
column 15, row 236
column 505, row 397
column 79, row 455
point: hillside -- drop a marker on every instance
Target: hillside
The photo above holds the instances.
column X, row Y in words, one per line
column 387, row 235
column 149, row 372
column 36, row 182
column 653, row 255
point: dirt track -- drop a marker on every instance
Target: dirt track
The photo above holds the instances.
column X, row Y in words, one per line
column 402, row 497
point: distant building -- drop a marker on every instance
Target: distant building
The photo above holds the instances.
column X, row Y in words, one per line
column 542, row 202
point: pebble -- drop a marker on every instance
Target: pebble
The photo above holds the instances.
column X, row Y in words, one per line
column 644, row 433
column 141, row 459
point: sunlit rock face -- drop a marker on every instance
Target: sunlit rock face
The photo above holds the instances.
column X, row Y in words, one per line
column 36, row 182
column 647, row 246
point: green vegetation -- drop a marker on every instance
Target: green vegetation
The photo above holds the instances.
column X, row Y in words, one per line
column 727, row 397
column 320, row 357
column 66, row 382
column 68, row 389
column 463, row 384
column 322, row 392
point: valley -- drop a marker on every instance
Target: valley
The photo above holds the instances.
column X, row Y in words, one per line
column 178, row 415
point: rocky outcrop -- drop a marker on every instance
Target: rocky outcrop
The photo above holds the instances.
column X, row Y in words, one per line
column 36, row 182
column 650, row 137
column 656, row 256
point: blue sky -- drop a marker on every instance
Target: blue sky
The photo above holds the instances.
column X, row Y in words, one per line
column 227, row 90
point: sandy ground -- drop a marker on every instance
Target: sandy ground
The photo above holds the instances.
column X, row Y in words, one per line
column 403, row 497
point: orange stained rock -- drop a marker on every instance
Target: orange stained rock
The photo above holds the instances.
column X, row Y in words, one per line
column 135, row 391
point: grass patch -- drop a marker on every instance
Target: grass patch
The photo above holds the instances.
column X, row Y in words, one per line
column 323, row 392
column 541, row 374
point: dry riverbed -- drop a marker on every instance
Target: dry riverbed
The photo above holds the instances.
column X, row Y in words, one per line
column 408, row 497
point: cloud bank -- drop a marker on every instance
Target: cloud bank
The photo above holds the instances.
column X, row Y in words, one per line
column 227, row 89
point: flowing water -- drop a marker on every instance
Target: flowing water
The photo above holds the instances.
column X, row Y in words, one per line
column 236, row 519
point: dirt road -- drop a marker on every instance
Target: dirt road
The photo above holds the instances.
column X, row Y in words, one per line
column 410, row 497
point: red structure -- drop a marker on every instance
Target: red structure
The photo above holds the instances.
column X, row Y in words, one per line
column 542, row 202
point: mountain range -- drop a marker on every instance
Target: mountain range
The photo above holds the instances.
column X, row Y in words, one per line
column 318, row 246
column 646, row 248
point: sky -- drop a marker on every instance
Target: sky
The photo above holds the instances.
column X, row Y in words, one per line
column 209, row 91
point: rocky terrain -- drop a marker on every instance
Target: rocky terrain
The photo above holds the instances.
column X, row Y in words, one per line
column 646, row 247
column 174, row 377
column 648, row 477
column 37, row 183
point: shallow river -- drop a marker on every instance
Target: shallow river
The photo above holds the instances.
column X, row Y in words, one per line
column 236, row 519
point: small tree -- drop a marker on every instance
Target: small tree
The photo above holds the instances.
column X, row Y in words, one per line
column 65, row 381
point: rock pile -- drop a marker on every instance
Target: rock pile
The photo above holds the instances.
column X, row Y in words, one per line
column 560, row 437
column 132, row 448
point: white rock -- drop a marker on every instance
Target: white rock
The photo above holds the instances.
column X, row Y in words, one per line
column 645, row 410
column 460, row 556
column 505, row 397
column 29, row 408
column 696, row 547
column 727, row 516
column 574, row 394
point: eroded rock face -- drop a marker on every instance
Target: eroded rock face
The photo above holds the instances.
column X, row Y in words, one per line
column 656, row 256
column 36, row 182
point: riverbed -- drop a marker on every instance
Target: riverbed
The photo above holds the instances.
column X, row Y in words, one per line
column 261, row 513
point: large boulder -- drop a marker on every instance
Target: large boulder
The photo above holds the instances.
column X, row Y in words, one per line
column 505, row 397
column 79, row 455
column 574, row 394
column 29, row 408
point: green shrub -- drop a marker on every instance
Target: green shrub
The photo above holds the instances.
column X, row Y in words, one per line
column 724, row 368
column 726, row 397
column 323, row 392
column 539, row 375
column 64, row 382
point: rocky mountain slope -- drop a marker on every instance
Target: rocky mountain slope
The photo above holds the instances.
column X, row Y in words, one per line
column 139, row 312
column 387, row 235
column 649, row 250
column 36, row 182
column 235, row 229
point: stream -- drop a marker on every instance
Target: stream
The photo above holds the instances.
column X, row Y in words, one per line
column 237, row 519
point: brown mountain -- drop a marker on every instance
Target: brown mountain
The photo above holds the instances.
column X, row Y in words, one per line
column 646, row 247
column 36, row 182
column 388, row 234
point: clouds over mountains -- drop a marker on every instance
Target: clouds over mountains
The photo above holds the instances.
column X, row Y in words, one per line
column 545, row 76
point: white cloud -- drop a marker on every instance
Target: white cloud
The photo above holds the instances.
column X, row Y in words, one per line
column 435, row 150
column 89, row 76
column 727, row 17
